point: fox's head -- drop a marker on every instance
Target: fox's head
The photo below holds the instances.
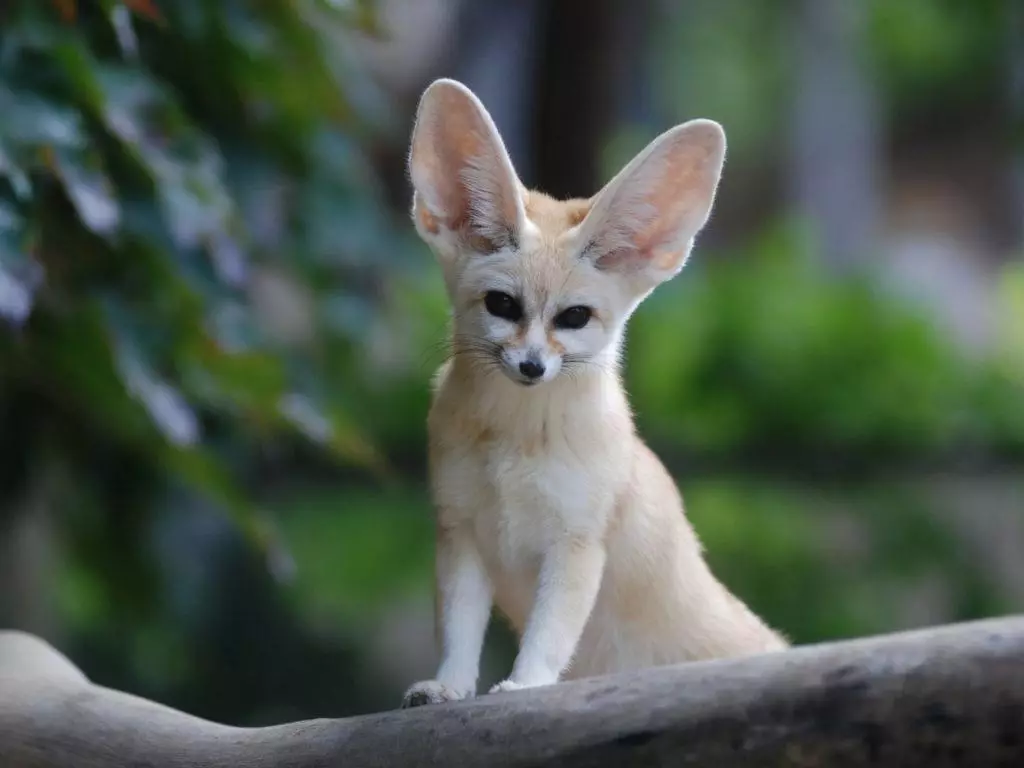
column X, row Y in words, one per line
column 541, row 287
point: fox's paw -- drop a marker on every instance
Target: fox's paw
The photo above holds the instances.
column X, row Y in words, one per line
column 506, row 685
column 430, row 692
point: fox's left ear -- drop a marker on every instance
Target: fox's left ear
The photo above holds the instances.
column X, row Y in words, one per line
column 645, row 219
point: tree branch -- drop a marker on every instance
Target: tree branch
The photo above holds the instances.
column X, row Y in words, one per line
column 952, row 696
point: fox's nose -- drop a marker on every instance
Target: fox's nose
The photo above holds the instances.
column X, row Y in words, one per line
column 531, row 369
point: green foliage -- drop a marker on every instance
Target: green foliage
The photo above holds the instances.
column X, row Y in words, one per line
column 721, row 59
column 768, row 352
column 360, row 550
column 835, row 562
column 392, row 375
column 189, row 227
column 929, row 50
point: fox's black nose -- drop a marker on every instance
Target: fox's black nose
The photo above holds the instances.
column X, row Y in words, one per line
column 531, row 369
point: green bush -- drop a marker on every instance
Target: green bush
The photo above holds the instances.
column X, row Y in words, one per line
column 767, row 352
column 831, row 562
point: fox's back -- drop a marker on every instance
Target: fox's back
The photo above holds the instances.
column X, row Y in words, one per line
column 653, row 607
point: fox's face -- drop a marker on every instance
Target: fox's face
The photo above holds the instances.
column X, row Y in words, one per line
column 542, row 288
column 535, row 309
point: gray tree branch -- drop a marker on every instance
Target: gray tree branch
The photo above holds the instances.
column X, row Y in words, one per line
column 951, row 696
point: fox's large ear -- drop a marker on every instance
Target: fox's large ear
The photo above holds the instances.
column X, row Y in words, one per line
column 464, row 182
column 645, row 219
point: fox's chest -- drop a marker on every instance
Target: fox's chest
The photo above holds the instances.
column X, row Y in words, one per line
column 518, row 503
column 516, row 498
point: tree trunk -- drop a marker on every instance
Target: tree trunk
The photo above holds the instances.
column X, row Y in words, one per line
column 587, row 70
column 498, row 50
column 26, row 529
column 836, row 137
column 1015, row 62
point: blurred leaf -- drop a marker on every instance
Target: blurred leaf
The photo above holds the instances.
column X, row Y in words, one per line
column 165, row 405
column 229, row 259
column 134, row 107
column 20, row 277
column 357, row 549
column 245, row 379
column 15, row 295
column 33, row 122
column 196, row 205
column 937, row 50
column 17, row 177
column 332, row 431
column 90, row 190
column 145, row 8
column 124, row 29
column 68, row 9
column 200, row 470
column 1011, row 294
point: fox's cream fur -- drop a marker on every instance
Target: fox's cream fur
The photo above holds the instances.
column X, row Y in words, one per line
column 549, row 506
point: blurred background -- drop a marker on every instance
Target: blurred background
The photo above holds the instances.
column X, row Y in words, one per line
column 217, row 327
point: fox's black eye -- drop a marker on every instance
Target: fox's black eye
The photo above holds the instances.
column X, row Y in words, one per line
column 502, row 305
column 573, row 318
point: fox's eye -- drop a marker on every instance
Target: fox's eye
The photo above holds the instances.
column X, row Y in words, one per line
column 573, row 318
column 502, row 305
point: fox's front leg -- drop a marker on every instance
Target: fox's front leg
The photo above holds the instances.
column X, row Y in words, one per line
column 567, row 587
column 463, row 608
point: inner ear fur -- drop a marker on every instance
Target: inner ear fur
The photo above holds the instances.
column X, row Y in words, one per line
column 463, row 178
column 647, row 217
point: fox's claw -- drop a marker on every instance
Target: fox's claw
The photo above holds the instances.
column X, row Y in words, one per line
column 430, row 692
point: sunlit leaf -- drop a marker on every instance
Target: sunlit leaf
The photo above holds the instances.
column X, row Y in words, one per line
column 186, row 168
column 15, row 297
column 90, row 190
column 331, row 430
column 121, row 21
column 300, row 411
column 251, row 381
column 14, row 174
column 30, row 120
column 20, row 276
column 168, row 409
column 131, row 102
column 194, row 200
column 228, row 258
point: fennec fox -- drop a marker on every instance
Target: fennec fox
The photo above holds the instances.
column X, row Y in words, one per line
column 548, row 504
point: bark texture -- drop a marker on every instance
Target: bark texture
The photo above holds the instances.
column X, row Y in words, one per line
column 950, row 696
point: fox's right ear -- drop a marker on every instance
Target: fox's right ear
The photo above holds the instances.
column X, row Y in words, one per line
column 466, row 192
